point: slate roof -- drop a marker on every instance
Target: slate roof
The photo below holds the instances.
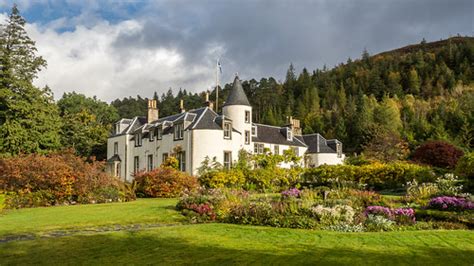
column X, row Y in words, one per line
column 318, row 144
column 274, row 135
column 201, row 118
column 237, row 95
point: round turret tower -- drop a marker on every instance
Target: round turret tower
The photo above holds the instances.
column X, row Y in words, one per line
column 238, row 109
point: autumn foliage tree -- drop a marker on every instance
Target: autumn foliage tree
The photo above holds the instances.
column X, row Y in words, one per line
column 438, row 153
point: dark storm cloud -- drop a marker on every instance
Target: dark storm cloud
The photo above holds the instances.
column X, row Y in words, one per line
column 261, row 38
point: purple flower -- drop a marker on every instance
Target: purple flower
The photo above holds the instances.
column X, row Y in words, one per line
column 404, row 215
column 378, row 210
column 291, row 193
column 450, row 204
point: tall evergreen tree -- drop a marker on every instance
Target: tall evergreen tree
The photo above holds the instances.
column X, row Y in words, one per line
column 29, row 120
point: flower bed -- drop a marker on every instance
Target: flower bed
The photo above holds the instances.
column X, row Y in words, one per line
column 338, row 210
column 445, row 203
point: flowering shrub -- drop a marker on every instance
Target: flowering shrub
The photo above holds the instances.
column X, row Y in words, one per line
column 404, row 216
column 164, row 182
column 376, row 223
column 339, row 214
column 378, row 210
column 376, row 175
column 450, row 204
column 59, row 178
column 291, row 193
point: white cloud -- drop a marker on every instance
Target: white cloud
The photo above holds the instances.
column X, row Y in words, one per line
column 84, row 60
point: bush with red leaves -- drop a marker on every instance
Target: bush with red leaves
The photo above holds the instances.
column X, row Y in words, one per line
column 164, row 182
column 438, row 153
column 58, row 178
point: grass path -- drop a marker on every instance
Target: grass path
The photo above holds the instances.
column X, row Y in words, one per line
column 210, row 244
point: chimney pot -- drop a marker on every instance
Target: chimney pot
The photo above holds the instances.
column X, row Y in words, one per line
column 152, row 111
column 181, row 106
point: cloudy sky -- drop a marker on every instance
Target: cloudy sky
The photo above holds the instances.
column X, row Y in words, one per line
column 121, row 48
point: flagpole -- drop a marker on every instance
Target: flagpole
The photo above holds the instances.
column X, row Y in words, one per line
column 217, row 85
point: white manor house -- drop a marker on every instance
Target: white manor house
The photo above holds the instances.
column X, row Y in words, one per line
column 143, row 143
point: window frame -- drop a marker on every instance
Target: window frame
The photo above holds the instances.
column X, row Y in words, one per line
column 149, row 163
column 116, row 148
column 159, row 133
column 164, row 157
column 254, row 131
column 258, row 148
column 227, row 164
column 227, row 127
column 136, row 164
column 152, row 135
column 289, row 134
column 181, row 156
column 247, row 137
column 247, row 118
column 276, row 149
column 178, row 131
column 138, row 139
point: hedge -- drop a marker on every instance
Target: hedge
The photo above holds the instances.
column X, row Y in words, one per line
column 375, row 175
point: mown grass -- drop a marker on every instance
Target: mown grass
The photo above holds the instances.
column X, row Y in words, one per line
column 223, row 244
column 211, row 244
column 37, row 220
column 2, row 200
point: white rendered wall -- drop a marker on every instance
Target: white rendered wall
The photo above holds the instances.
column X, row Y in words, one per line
column 122, row 150
column 317, row 159
column 211, row 143
column 237, row 114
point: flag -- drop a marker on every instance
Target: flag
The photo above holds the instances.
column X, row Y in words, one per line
column 219, row 66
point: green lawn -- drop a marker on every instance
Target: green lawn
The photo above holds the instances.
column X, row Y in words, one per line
column 219, row 244
column 2, row 199
column 38, row 220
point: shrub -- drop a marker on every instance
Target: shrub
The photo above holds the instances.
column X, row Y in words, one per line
column 58, row 178
column 220, row 179
column 376, row 175
column 404, row 216
column 445, row 203
column 465, row 169
column 378, row 210
column 339, row 214
column 164, row 182
column 291, row 193
column 420, row 193
column 376, row 223
column 438, row 153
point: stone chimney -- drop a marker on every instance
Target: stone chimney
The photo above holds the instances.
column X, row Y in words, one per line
column 294, row 125
column 152, row 111
column 181, row 106
column 208, row 103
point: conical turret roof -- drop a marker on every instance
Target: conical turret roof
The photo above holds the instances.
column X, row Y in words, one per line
column 237, row 95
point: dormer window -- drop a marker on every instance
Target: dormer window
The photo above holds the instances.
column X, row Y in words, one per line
column 138, row 139
column 227, row 130
column 152, row 135
column 289, row 134
column 159, row 133
column 247, row 117
column 178, row 131
column 254, row 131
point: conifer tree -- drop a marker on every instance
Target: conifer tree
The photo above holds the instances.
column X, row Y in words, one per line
column 29, row 120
